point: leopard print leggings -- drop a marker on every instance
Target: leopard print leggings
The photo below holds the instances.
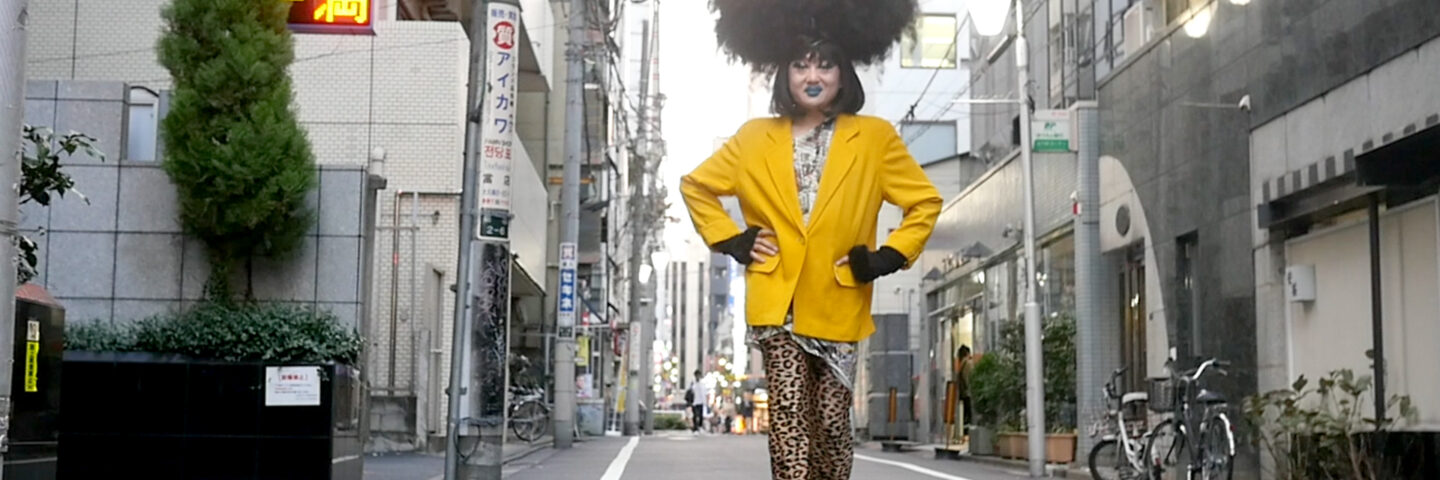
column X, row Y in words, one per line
column 810, row 435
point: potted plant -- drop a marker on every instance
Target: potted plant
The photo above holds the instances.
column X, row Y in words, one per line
column 996, row 387
column 1058, row 347
column 1321, row 429
column 998, row 390
column 225, row 379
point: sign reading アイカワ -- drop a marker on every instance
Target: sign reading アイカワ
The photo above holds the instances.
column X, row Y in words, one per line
column 502, row 75
column 292, row 386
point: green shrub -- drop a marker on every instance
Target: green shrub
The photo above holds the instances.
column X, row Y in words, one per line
column 1323, row 430
column 42, row 181
column 272, row 333
column 997, row 392
column 1059, row 372
column 670, row 421
column 997, row 386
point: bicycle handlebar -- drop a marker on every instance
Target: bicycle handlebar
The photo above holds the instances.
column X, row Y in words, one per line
column 1109, row 389
column 1217, row 365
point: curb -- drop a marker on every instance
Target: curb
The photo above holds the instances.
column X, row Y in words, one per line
column 535, row 447
column 1073, row 470
column 1051, row 470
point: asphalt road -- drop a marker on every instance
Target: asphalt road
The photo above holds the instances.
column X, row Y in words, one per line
column 687, row 457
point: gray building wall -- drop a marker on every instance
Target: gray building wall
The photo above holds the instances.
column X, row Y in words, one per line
column 991, row 204
column 1189, row 159
column 123, row 256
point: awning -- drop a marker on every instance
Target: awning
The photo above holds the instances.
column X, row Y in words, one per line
column 522, row 284
column 1341, row 182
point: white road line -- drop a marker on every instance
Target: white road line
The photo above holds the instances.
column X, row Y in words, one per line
column 913, row 468
column 617, row 467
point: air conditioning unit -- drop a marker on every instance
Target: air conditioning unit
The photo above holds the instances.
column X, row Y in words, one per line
column 1136, row 27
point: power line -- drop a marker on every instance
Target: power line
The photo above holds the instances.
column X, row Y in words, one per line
column 1030, row 15
column 910, row 113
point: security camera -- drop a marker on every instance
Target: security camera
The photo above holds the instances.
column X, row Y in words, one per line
column 1245, row 103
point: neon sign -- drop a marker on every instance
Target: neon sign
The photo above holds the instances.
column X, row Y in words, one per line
column 331, row 16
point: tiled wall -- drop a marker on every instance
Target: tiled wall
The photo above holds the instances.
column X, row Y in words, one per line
column 121, row 256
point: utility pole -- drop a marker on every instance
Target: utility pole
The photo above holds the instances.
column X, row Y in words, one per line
column 12, row 103
column 652, row 159
column 456, row 391
column 1034, row 369
column 569, row 229
column 487, row 351
column 479, row 348
column 1092, row 339
column 639, row 231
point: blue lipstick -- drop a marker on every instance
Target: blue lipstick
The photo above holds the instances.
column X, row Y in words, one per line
column 814, row 91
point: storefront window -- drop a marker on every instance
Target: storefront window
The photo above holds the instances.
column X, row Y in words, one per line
column 999, row 296
column 1056, row 272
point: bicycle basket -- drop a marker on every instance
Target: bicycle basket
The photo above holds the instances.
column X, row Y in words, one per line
column 1162, row 395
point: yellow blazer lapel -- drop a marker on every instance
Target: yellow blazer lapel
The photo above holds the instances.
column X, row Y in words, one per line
column 780, row 160
column 837, row 164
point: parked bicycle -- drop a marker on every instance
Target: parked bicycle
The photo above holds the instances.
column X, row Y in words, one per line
column 1120, row 453
column 1212, row 451
column 529, row 414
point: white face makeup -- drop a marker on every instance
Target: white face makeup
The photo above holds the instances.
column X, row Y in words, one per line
column 814, row 83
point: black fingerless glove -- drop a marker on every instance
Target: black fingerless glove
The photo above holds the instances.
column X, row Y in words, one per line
column 738, row 247
column 868, row 266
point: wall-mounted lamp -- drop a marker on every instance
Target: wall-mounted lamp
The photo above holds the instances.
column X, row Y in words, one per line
column 1199, row 22
column 435, row 217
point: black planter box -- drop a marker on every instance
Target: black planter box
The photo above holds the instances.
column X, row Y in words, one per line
column 137, row 415
column 1397, row 455
column 35, row 388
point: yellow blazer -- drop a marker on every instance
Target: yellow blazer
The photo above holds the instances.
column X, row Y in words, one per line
column 868, row 163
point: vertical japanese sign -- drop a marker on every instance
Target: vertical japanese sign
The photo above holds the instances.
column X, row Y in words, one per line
column 633, row 343
column 497, row 131
column 565, row 320
column 32, row 356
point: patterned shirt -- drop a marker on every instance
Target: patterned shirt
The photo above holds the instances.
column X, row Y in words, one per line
column 811, row 149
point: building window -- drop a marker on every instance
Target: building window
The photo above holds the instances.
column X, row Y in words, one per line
column 1187, row 254
column 1057, row 277
column 1134, row 340
column 934, row 43
column 142, row 108
column 929, row 141
column 1176, row 9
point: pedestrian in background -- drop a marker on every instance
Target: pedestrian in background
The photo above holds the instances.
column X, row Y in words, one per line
column 696, row 397
column 728, row 411
column 811, row 181
column 964, row 368
column 747, row 414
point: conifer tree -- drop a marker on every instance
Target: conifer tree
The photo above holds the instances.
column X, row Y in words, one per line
column 233, row 147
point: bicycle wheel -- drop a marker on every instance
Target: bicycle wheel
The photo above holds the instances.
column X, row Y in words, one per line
column 1219, row 454
column 1163, row 448
column 528, row 421
column 1108, row 462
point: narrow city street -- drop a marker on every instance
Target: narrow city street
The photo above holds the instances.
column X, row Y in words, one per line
column 681, row 455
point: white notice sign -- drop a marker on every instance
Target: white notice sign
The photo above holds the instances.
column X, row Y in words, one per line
column 292, row 386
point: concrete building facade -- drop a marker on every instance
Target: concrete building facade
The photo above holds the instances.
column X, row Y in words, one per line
column 392, row 103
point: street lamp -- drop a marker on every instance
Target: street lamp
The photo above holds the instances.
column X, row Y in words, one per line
column 1199, row 22
column 988, row 16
